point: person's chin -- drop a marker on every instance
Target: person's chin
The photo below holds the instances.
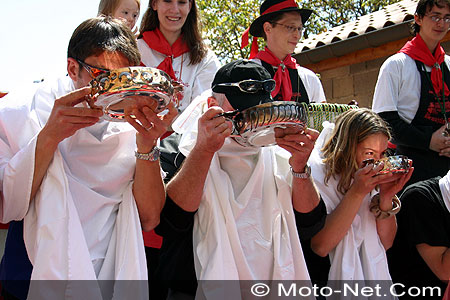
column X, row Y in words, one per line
column 173, row 27
column 291, row 48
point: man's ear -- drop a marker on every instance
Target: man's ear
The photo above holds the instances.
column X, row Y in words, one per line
column 73, row 69
column 267, row 27
column 212, row 102
column 418, row 20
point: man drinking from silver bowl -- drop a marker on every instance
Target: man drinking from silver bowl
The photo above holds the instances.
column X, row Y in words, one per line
column 235, row 211
column 76, row 181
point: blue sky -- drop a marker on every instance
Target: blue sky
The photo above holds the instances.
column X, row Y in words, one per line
column 34, row 35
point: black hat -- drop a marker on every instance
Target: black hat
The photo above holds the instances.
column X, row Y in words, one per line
column 237, row 71
column 268, row 10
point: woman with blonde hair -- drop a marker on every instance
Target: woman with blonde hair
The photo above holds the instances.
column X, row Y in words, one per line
column 125, row 10
column 171, row 40
column 361, row 204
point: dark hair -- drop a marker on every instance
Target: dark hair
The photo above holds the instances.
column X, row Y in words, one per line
column 425, row 6
column 96, row 35
column 191, row 30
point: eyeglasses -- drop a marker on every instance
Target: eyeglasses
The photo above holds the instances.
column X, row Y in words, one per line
column 249, row 86
column 290, row 29
column 437, row 19
column 93, row 71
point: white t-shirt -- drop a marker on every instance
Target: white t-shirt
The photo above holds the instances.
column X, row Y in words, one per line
column 398, row 86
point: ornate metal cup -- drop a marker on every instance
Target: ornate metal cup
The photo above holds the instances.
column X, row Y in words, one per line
column 117, row 90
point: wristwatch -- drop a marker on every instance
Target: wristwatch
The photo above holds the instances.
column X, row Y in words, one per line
column 153, row 155
column 303, row 175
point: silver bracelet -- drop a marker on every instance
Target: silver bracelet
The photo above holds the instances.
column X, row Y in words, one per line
column 303, row 175
column 153, row 155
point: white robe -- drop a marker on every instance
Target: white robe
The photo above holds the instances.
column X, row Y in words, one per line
column 197, row 78
column 83, row 223
column 360, row 255
column 245, row 226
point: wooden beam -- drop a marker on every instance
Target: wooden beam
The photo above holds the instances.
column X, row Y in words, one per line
column 362, row 55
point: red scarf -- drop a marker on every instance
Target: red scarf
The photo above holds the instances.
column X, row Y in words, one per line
column 156, row 41
column 282, row 79
column 418, row 50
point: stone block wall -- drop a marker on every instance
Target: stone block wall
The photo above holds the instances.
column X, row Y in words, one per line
column 355, row 82
column 352, row 82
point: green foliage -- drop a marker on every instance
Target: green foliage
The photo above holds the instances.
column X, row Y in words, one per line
column 224, row 21
column 330, row 13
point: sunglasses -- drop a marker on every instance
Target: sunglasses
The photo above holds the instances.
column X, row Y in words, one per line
column 93, row 71
column 248, row 86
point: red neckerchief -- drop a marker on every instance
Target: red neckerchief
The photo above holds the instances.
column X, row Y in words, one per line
column 282, row 79
column 156, row 41
column 418, row 50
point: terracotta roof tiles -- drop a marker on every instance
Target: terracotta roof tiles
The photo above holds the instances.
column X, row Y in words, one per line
column 393, row 14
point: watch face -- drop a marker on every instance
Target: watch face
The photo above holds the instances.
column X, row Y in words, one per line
column 155, row 153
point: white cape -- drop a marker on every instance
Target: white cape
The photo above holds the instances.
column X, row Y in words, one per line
column 83, row 223
column 245, row 233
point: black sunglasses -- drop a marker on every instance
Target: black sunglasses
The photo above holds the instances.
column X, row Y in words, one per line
column 93, row 71
column 248, row 86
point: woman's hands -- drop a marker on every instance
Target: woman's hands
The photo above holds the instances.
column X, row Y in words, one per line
column 366, row 179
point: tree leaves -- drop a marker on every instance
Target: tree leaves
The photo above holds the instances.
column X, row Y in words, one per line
column 224, row 21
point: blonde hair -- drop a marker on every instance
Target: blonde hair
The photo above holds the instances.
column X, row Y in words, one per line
column 339, row 151
column 108, row 7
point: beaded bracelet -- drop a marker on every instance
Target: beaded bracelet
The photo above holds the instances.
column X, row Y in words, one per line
column 384, row 214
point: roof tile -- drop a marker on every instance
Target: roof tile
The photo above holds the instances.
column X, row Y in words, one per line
column 390, row 15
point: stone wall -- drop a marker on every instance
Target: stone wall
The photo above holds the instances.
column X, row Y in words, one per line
column 355, row 82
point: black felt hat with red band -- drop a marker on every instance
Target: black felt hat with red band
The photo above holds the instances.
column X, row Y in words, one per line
column 271, row 8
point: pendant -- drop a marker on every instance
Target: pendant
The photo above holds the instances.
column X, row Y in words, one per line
column 446, row 131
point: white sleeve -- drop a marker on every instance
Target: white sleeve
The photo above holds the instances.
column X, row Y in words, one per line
column 204, row 75
column 312, row 84
column 17, row 158
column 387, row 89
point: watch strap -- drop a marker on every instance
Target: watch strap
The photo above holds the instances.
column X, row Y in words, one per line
column 153, row 155
column 303, row 175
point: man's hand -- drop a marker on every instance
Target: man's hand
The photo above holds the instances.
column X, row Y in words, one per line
column 212, row 131
column 65, row 119
column 440, row 143
column 149, row 125
column 299, row 142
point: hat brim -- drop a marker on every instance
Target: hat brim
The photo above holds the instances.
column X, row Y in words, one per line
column 256, row 28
